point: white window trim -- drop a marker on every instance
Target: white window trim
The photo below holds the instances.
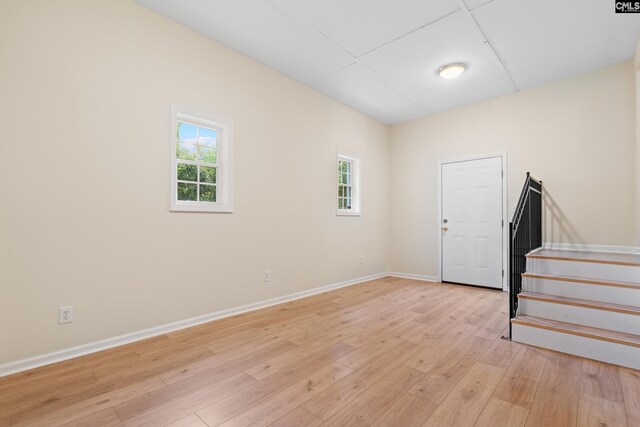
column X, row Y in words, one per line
column 224, row 179
column 356, row 189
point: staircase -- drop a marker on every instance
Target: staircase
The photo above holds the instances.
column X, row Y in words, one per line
column 582, row 303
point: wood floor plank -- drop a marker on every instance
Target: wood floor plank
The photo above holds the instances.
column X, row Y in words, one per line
column 285, row 401
column 334, row 398
column 104, row 418
column 190, row 384
column 630, row 379
column 299, row 417
column 151, row 365
column 601, row 380
column 61, row 373
column 520, row 383
column 557, row 396
column 18, row 400
column 378, row 399
column 408, row 411
column 219, row 364
column 466, row 401
column 189, row 421
column 450, row 369
column 270, row 366
column 501, row 353
column 362, row 355
column 320, row 332
column 498, row 413
column 596, row 412
column 174, row 410
column 95, row 404
column 239, row 402
column 388, row 352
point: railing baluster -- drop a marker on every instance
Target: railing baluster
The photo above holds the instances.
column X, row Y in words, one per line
column 525, row 235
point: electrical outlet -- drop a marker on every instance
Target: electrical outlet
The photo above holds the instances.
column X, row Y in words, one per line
column 267, row 276
column 360, row 259
column 65, row 314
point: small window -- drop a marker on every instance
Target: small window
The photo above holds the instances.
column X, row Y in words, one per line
column 348, row 185
column 201, row 169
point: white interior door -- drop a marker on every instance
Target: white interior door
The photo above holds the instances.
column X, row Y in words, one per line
column 472, row 221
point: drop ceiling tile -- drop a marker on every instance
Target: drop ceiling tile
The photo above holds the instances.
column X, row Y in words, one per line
column 473, row 4
column 360, row 88
column 261, row 31
column 548, row 39
column 362, row 25
column 410, row 64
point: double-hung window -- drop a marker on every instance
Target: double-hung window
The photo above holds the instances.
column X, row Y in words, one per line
column 348, row 185
column 201, row 169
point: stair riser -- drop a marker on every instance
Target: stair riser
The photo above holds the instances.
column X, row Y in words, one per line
column 596, row 271
column 602, row 319
column 604, row 351
column 611, row 294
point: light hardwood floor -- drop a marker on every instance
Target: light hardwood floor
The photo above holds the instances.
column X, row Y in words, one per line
column 391, row 352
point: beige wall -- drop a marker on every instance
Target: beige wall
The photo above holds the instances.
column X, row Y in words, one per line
column 86, row 89
column 577, row 135
column 637, row 76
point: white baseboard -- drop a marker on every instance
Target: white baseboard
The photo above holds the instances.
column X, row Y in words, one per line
column 413, row 276
column 592, row 248
column 93, row 347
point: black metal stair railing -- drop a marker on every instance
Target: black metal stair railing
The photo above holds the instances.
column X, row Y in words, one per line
column 525, row 235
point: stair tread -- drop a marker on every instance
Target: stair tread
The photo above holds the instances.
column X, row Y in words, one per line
column 620, row 308
column 587, row 256
column 621, row 284
column 585, row 331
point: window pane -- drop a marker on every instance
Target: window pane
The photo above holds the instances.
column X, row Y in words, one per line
column 207, row 193
column 348, row 192
column 207, row 154
column 341, row 167
column 186, row 151
column 207, row 137
column 347, row 167
column 187, row 191
column 186, row 133
column 187, row 172
column 340, row 203
column 340, row 191
column 208, row 174
column 347, row 203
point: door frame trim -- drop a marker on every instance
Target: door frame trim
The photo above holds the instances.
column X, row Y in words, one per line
column 505, row 230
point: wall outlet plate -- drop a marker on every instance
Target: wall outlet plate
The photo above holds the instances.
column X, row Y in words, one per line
column 267, row 276
column 65, row 315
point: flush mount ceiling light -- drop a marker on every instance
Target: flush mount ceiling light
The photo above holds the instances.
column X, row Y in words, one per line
column 451, row 71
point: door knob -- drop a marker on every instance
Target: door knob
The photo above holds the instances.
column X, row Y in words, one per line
column 445, row 228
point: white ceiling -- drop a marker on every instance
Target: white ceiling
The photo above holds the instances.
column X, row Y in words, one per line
column 381, row 56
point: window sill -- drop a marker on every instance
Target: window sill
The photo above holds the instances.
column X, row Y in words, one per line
column 197, row 207
column 347, row 213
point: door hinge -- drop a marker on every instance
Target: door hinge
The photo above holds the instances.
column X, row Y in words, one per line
column 503, row 273
column 502, row 173
column 503, row 223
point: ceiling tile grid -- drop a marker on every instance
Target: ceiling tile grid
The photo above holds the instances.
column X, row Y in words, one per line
column 364, row 90
column 546, row 40
column 260, row 31
column 360, row 26
column 454, row 39
column 381, row 56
